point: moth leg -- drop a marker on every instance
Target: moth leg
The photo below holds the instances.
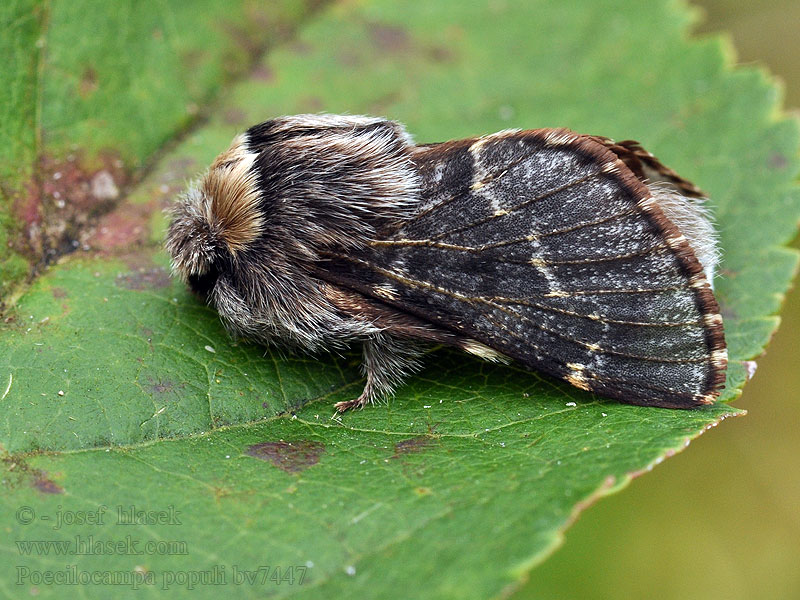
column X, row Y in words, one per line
column 387, row 360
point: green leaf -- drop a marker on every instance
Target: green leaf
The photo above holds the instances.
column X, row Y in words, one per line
column 73, row 104
column 119, row 388
column 20, row 23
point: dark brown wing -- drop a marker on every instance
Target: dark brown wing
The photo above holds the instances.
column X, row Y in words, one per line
column 546, row 247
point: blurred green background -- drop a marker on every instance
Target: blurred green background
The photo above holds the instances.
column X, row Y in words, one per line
column 721, row 520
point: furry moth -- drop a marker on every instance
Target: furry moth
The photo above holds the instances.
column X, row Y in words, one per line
column 571, row 254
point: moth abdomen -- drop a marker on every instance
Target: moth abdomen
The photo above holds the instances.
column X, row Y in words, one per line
column 574, row 255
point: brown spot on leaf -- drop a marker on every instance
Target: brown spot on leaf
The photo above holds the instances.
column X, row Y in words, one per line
column 291, row 457
column 64, row 200
column 144, row 279
column 59, row 292
column 263, row 73
column 221, row 492
column 778, row 161
column 412, row 445
column 441, row 54
column 45, row 485
column 19, row 472
column 389, row 38
column 88, row 82
column 126, row 226
column 161, row 386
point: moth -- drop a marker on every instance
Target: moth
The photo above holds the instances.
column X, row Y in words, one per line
column 571, row 254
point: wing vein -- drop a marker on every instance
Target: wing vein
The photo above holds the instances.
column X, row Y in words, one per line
column 470, row 300
column 598, row 318
column 478, row 249
column 655, row 250
column 593, row 374
column 516, row 207
column 487, row 179
column 539, row 234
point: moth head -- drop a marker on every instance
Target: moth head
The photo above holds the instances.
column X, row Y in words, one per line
column 218, row 218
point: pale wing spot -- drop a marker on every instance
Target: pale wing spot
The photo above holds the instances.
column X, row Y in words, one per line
column 547, row 273
column 484, row 351
column 576, row 376
column 477, row 144
column 719, row 357
column 613, row 167
column 698, row 281
column 676, row 242
column 480, row 175
column 386, row 291
column 477, row 186
column 560, row 137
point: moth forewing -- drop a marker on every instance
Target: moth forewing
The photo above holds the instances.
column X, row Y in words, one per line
column 576, row 256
